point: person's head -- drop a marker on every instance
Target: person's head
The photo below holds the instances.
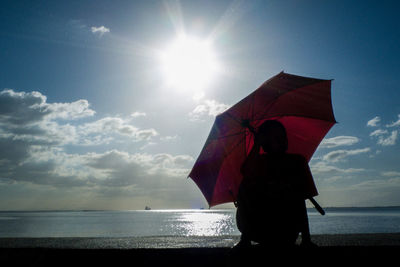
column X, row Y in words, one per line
column 272, row 137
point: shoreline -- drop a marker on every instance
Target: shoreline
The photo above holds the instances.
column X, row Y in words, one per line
column 167, row 242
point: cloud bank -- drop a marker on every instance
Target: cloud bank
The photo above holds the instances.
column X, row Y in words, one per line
column 38, row 140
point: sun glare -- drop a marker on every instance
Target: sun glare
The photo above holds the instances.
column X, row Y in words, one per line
column 189, row 64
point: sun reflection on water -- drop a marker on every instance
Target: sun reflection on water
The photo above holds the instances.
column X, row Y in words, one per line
column 205, row 223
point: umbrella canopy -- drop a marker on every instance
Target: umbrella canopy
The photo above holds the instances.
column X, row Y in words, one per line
column 303, row 105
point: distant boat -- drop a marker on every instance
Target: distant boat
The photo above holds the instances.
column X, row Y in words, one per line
column 147, row 208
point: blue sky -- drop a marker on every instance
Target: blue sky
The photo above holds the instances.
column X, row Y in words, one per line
column 89, row 121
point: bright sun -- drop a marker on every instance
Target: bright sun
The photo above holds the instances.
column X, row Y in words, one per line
column 189, row 63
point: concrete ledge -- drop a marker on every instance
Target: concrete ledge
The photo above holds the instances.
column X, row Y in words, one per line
column 205, row 257
column 195, row 251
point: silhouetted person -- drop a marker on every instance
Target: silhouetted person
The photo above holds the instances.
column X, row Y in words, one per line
column 271, row 200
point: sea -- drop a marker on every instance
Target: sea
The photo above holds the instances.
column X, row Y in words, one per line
column 142, row 223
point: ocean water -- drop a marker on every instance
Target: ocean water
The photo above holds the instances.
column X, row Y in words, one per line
column 181, row 222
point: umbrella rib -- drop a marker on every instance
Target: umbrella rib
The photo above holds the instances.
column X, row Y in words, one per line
column 229, row 135
column 237, row 144
column 247, row 146
column 233, row 118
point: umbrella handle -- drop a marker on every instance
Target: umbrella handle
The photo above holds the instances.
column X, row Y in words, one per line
column 317, row 206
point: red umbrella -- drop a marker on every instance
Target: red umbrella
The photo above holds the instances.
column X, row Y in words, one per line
column 303, row 105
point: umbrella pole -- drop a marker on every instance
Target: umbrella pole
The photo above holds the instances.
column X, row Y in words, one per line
column 317, row 206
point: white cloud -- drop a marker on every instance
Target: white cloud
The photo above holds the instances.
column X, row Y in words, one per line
column 137, row 114
column 107, row 126
column 389, row 140
column 385, row 138
column 340, row 155
column 122, row 168
column 27, row 120
column 215, row 108
column 20, row 108
column 396, row 123
column 322, row 167
column 378, row 132
column 100, row 30
column 23, row 108
column 71, row 111
column 391, row 174
column 379, row 184
column 339, row 141
column 374, row 122
column 114, row 168
column 208, row 108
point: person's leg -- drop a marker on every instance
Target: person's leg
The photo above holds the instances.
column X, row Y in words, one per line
column 305, row 228
column 243, row 226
